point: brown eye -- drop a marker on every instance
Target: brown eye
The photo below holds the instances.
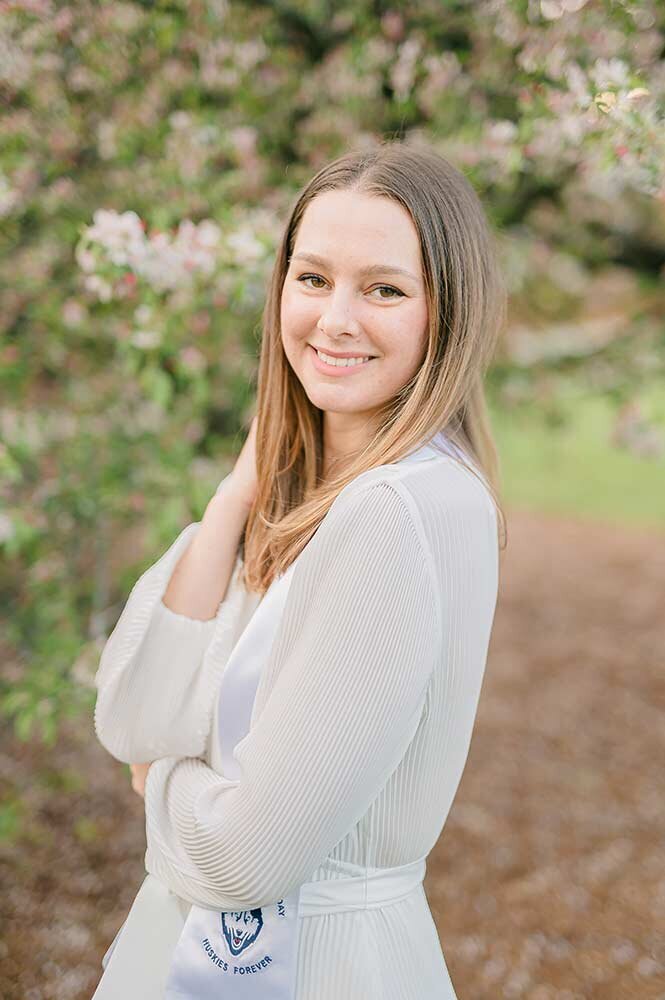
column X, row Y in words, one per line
column 395, row 292
column 389, row 288
column 312, row 277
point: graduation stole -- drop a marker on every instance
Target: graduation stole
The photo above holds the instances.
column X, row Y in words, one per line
column 248, row 954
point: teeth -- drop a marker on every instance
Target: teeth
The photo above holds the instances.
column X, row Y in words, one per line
column 341, row 362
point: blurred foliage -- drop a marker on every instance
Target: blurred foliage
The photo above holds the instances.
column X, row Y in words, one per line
column 563, row 459
column 148, row 155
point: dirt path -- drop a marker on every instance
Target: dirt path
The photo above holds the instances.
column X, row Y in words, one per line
column 548, row 882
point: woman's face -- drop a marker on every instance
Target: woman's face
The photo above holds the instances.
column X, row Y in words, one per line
column 354, row 286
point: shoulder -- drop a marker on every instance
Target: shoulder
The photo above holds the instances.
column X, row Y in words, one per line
column 375, row 518
column 405, row 513
column 373, row 505
column 374, row 522
column 435, row 486
column 438, row 509
column 371, row 541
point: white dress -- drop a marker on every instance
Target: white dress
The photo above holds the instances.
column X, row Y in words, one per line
column 359, row 733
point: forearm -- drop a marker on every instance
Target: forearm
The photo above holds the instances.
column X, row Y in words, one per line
column 201, row 578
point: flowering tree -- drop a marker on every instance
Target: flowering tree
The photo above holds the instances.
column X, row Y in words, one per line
column 148, row 156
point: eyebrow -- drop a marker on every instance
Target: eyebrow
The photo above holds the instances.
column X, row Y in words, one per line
column 366, row 271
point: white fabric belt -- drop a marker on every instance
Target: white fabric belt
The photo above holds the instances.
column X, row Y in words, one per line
column 143, row 947
column 377, row 887
column 268, row 967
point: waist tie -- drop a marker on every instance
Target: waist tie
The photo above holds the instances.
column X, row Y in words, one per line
column 151, row 945
column 373, row 888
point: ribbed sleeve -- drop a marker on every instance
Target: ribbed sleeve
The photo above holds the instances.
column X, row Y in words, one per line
column 153, row 682
column 347, row 675
column 159, row 701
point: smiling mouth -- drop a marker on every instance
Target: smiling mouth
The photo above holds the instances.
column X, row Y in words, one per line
column 340, row 357
column 342, row 367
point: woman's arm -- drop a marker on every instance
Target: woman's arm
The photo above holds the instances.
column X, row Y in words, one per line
column 351, row 662
column 153, row 687
column 201, row 578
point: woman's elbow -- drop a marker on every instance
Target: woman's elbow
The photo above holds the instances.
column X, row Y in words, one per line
column 266, row 881
column 249, row 894
column 111, row 735
column 258, row 876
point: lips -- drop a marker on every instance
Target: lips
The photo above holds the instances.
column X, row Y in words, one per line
column 337, row 371
column 344, row 355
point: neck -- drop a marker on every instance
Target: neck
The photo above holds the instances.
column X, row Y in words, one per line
column 344, row 437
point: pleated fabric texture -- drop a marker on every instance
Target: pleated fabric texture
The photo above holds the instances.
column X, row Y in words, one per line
column 360, row 728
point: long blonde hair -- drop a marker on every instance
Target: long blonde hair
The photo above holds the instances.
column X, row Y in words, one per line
column 467, row 308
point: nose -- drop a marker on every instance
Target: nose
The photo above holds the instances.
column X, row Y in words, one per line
column 338, row 316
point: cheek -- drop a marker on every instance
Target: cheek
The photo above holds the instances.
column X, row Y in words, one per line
column 298, row 315
column 409, row 338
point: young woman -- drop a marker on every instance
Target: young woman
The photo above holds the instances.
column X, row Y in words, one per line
column 295, row 680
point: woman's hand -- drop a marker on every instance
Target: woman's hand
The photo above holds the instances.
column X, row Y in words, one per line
column 139, row 772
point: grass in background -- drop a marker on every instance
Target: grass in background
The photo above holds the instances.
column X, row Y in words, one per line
column 574, row 468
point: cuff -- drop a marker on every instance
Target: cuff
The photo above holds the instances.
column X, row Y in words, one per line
column 177, row 621
column 165, row 856
column 172, row 787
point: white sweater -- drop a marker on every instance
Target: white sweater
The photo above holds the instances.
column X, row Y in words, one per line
column 360, row 729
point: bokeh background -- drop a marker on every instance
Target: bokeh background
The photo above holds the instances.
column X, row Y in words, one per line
column 148, row 154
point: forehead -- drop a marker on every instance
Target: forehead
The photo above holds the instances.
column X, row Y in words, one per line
column 349, row 227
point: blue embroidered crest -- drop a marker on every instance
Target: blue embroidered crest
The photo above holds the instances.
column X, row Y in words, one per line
column 240, row 928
